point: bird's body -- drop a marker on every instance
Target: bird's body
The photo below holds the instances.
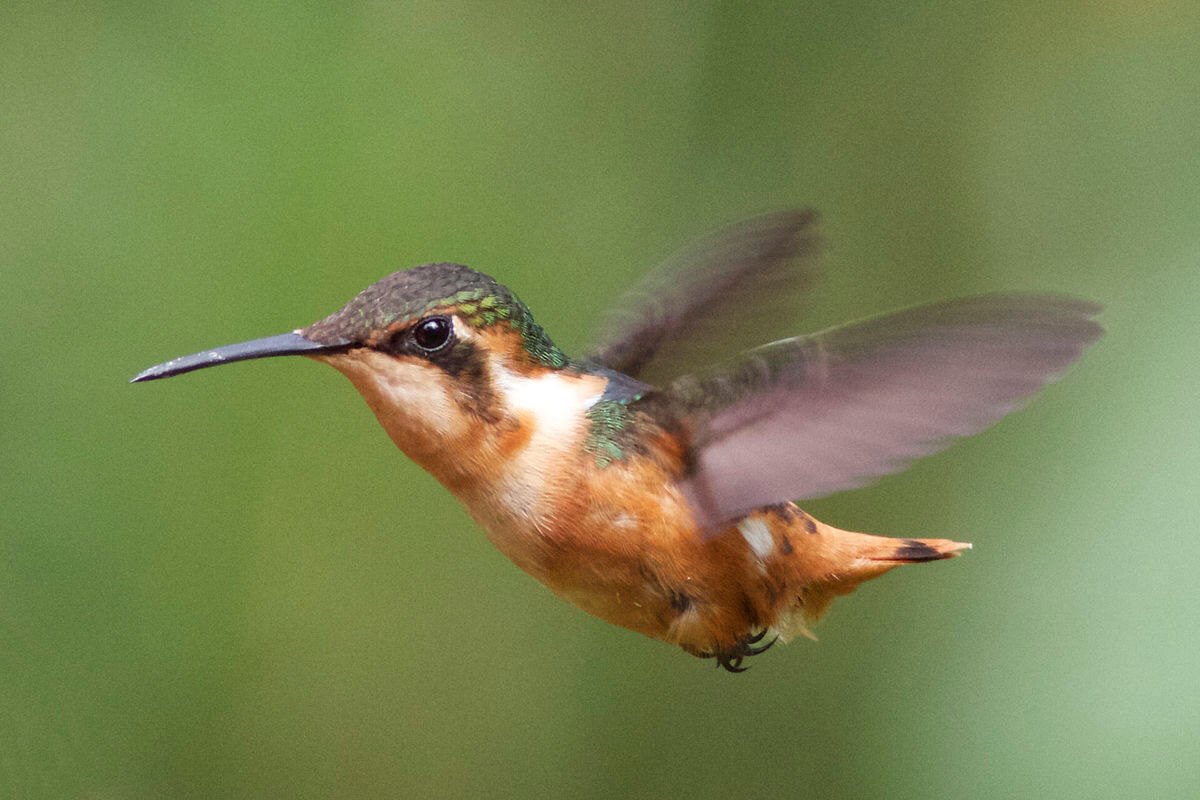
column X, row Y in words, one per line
column 612, row 531
column 667, row 509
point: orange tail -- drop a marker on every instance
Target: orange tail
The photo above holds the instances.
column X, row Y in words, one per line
column 838, row 561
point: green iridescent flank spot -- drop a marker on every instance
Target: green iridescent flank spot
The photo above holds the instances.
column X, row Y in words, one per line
column 607, row 419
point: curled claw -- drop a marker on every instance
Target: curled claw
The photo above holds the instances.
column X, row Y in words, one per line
column 731, row 660
column 753, row 640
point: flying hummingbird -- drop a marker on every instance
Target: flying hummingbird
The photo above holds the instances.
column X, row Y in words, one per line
column 651, row 489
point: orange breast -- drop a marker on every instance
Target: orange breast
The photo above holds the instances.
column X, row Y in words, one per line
column 626, row 548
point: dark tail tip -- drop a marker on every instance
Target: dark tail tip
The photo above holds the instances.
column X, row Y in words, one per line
column 916, row 551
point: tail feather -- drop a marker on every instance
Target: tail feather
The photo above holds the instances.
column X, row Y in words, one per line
column 846, row 560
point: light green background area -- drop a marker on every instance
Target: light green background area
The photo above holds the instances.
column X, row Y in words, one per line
column 231, row 584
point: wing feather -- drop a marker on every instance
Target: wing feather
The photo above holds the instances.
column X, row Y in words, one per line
column 811, row 415
column 749, row 277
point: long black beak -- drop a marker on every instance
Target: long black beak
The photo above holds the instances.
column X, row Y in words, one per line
column 285, row 344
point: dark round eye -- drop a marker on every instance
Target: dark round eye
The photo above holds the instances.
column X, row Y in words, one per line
column 432, row 333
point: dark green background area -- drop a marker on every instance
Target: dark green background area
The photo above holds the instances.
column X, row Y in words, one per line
column 231, row 584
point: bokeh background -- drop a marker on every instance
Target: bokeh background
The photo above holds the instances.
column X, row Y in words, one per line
column 232, row 585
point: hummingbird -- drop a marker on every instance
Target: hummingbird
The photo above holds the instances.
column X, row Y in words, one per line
column 653, row 481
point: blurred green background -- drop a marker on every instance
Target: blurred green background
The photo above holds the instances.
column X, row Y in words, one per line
column 232, row 585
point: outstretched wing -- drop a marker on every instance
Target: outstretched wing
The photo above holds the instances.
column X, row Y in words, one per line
column 743, row 284
column 812, row 415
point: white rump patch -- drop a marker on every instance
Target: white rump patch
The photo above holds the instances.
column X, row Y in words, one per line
column 756, row 533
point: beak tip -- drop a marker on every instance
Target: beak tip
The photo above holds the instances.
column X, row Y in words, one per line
column 164, row 370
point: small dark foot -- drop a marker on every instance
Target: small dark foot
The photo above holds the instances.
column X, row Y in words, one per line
column 747, row 646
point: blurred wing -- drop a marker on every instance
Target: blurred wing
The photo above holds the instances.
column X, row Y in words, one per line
column 742, row 284
column 808, row 416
